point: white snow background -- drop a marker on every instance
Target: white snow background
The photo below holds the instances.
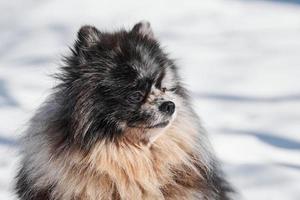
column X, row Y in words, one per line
column 239, row 58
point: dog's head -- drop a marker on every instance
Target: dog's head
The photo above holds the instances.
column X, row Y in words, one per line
column 118, row 82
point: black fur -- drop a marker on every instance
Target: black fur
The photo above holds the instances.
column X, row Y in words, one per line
column 99, row 79
column 26, row 191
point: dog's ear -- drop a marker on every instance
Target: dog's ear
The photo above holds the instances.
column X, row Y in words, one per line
column 87, row 36
column 143, row 28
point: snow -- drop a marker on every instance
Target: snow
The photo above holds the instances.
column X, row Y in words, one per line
column 240, row 59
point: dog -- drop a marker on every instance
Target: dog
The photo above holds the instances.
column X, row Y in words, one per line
column 118, row 126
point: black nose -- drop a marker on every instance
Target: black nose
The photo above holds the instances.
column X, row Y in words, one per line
column 167, row 107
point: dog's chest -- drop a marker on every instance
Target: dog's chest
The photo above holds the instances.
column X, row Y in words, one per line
column 158, row 184
column 166, row 170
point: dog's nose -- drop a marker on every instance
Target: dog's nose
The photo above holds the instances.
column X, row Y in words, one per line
column 167, row 107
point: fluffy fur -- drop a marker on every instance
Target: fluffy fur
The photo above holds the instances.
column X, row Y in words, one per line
column 105, row 132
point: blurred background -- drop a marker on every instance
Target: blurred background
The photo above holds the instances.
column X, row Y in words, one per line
column 239, row 58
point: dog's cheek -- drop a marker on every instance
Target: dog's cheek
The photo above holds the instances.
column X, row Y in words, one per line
column 151, row 110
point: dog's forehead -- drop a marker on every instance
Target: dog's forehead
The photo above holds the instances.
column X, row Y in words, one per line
column 139, row 61
column 146, row 64
column 143, row 78
column 134, row 75
column 146, row 70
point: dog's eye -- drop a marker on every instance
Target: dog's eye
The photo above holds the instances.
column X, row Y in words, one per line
column 164, row 89
column 172, row 89
column 136, row 97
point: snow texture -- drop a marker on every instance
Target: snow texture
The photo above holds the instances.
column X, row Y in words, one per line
column 240, row 59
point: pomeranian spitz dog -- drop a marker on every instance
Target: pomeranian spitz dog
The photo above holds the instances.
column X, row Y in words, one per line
column 118, row 126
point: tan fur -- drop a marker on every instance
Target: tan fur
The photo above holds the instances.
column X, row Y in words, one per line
column 128, row 170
